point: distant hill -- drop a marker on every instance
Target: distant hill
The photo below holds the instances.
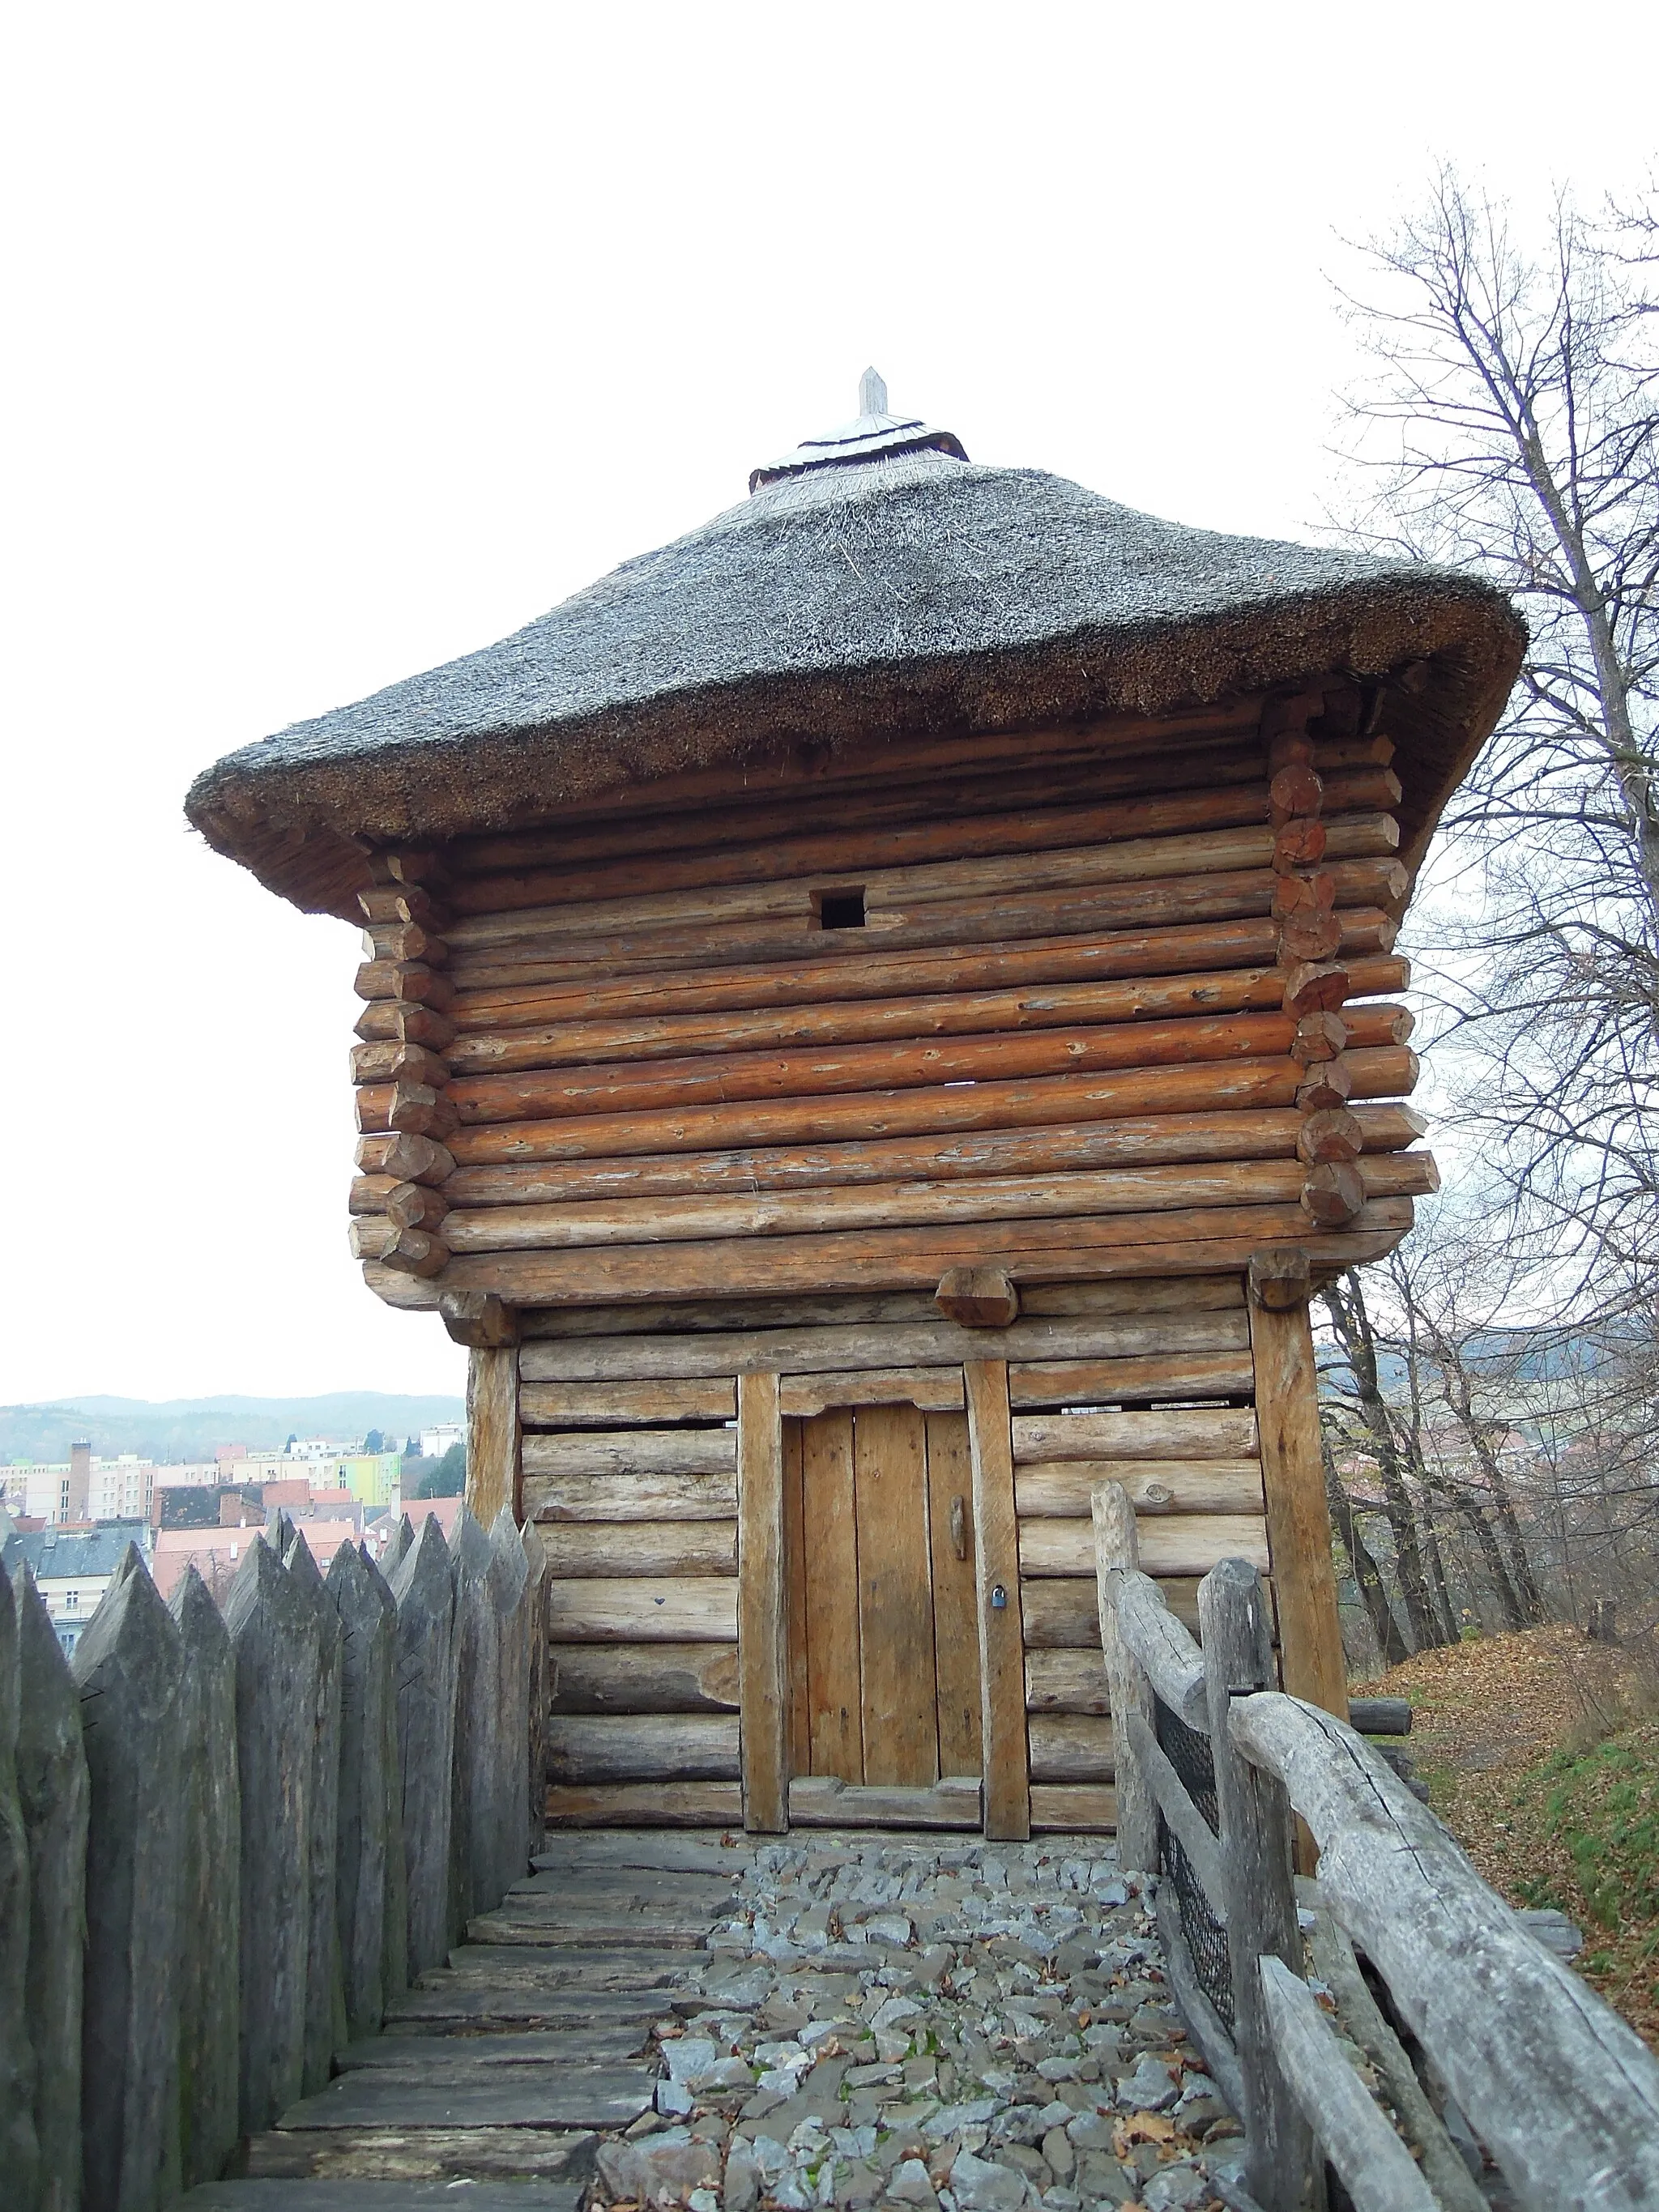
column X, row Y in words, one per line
column 191, row 1428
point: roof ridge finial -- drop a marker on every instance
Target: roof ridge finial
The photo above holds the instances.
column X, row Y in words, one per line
column 873, row 394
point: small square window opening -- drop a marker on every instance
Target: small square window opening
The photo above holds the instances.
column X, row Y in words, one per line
column 840, row 909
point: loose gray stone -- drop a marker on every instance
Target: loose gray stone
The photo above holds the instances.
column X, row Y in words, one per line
column 1176, row 2189
column 128, row 1668
column 978, row 2185
column 743, row 2177
column 673, row 2161
column 910, row 2183
column 209, row 1996
column 1150, row 2089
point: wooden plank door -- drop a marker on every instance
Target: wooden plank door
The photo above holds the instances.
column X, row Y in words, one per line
column 881, row 1597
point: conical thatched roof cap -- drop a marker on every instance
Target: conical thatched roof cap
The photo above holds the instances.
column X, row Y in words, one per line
column 876, row 581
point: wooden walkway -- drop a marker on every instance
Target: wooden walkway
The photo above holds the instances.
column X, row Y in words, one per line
column 503, row 2066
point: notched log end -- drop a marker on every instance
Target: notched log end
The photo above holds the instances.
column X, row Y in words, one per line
column 1281, row 1278
column 977, row 1297
column 478, row 1319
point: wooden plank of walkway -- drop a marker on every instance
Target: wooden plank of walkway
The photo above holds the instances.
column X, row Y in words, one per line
column 351, row 2194
column 507, row 2061
column 593, row 2041
column 563, row 2095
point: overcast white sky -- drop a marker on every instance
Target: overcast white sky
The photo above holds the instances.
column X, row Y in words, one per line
column 341, row 339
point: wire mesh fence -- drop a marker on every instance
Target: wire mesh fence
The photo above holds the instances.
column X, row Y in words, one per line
column 1188, row 1753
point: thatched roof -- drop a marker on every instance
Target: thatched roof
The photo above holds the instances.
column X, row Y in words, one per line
column 875, row 583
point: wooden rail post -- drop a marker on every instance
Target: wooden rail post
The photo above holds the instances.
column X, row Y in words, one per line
column 128, row 1666
column 1115, row 1549
column 762, row 1607
column 1005, row 1746
column 1293, row 1480
column 1256, row 1857
column 209, row 1996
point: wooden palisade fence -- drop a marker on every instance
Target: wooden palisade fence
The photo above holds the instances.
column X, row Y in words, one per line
column 1418, row 1954
column 228, row 1839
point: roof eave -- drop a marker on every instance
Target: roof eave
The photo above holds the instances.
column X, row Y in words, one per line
column 305, row 828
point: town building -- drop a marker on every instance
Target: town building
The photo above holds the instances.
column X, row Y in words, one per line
column 72, row 1567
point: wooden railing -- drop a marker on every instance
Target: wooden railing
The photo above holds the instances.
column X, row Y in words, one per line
column 228, row 1841
column 1480, row 2039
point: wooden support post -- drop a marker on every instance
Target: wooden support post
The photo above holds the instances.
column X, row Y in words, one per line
column 1003, row 1738
column 1256, row 1852
column 1298, row 1519
column 762, row 1617
column 493, row 1435
column 1115, row 1549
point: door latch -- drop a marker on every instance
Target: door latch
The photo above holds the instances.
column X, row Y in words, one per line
column 959, row 1527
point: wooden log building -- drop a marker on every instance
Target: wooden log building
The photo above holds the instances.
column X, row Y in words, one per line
column 874, row 1016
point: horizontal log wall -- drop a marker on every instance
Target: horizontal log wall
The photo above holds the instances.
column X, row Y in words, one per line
column 630, row 1461
column 643, row 1057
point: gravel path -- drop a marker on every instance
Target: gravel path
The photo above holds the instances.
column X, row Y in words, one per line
column 926, row 2021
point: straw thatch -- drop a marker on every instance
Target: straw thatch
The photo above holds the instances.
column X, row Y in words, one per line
column 845, row 604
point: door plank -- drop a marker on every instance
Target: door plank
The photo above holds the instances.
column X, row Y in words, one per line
column 834, row 1696
column 895, row 1606
column 794, row 1564
column 955, row 1614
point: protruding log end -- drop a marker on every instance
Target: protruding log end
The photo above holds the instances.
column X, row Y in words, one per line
column 1328, row 1085
column 478, row 1319
column 1316, row 986
column 1295, row 790
column 1332, row 1194
column 1318, row 1037
column 1300, row 845
column 421, row 1110
column 1332, row 1134
column 1281, row 1278
column 977, row 1297
column 415, row 1252
column 1313, row 934
column 405, row 1158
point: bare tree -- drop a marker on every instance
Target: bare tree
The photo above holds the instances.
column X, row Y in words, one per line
column 1511, row 421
